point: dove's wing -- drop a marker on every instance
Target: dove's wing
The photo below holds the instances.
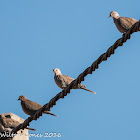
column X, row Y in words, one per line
column 62, row 81
column 30, row 107
column 67, row 79
column 126, row 22
column 10, row 123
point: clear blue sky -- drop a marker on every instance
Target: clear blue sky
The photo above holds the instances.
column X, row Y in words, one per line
column 38, row 36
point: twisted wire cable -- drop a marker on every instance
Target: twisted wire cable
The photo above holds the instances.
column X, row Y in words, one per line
column 80, row 78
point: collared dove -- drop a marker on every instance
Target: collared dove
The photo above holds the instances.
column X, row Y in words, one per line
column 30, row 107
column 63, row 81
column 9, row 123
column 122, row 23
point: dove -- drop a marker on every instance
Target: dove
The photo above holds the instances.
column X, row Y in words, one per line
column 10, row 123
column 122, row 23
column 63, row 81
column 29, row 107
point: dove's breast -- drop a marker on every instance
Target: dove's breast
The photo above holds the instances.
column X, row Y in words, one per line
column 59, row 81
column 124, row 23
column 119, row 26
column 28, row 108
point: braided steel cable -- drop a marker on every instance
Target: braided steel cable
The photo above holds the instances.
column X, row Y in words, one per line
column 89, row 70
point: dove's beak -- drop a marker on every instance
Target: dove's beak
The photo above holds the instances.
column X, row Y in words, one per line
column 109, row 16
column 18, row 99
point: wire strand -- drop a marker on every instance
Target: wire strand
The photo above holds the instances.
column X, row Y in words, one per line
column 80, row 78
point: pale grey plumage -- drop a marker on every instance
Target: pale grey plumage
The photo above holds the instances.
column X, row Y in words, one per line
column 63, row 81
column 30, row 107
column 122, row 23
column 10, row 123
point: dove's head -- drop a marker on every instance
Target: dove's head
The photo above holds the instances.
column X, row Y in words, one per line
column 22, row 98
column 2, row 116
column 114, row 14
column 57, row 71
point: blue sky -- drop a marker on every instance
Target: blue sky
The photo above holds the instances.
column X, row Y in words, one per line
column 38, row 36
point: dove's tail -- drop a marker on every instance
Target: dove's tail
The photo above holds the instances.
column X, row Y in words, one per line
column 47, row 112
column 84, row 87
column 31, row 129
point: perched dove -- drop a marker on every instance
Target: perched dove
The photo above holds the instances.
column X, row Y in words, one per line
column 10, row 123
column 30, row 107
column 63, row 81
column 122, row 23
